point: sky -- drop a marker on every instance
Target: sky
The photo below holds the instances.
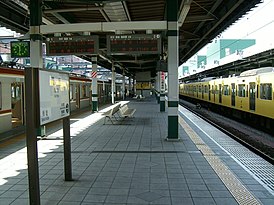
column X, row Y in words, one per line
column 257, row 24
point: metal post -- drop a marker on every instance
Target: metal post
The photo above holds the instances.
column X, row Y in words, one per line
column 67, row 149
column 113, row 85
column 124, row 84
column 134, row 85
column 173, row 94
column 129, row 87
column 32, row 100
column 158, row 87
column 162, row 90
column 94, row 84
column 31, row 135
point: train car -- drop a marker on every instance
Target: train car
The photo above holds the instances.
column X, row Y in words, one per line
column 249, row 96
column 12, row 95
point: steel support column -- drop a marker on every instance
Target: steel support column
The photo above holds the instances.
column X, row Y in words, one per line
column 124, row 85
column 172, row 33
column 94, row 84
column 129, row 87
column 32, row 100
column 113, row 90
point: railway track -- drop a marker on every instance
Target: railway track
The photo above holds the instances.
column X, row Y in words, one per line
column 256, row 141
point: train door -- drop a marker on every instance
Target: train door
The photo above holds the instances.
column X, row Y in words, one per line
column 220, row 93
column 233, row 94
column 77, row 91
column 209, row 93
column 17, row 104
column 252, row 96
column 203, row 91
column 215, row 90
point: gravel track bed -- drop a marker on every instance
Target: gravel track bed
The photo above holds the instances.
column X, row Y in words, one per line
column 258, row 139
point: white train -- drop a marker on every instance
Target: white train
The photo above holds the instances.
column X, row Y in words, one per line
column 12, row 95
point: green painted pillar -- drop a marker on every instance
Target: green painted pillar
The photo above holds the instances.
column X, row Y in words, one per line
column 162, row 103
column 173, row 91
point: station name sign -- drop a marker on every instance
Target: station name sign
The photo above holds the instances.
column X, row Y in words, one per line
column 54, row 96
column 134, row 44
column 73, row 45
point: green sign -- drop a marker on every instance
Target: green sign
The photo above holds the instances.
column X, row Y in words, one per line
column 20, row 49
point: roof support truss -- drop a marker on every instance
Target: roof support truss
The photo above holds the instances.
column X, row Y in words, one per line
column 104, row 27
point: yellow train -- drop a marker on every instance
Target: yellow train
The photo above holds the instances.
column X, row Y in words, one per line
column 250, row 92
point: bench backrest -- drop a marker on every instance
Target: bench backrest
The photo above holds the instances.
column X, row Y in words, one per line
column 123, row 108
column 115, row 109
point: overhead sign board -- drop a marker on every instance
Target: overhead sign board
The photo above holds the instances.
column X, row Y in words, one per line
column 134, row 44
column 58, row 46
column 20, row 49
column 54, row 96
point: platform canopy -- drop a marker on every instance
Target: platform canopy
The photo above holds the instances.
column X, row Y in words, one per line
column 199, row 20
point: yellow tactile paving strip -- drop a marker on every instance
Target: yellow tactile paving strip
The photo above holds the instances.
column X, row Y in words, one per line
column 236, row 188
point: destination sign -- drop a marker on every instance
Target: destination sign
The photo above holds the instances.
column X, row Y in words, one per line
column 134, row 44
column 59, row 46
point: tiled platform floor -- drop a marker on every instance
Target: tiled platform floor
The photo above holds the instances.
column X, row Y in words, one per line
column 115, row 164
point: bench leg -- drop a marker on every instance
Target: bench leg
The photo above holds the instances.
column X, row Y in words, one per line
column 109, row 119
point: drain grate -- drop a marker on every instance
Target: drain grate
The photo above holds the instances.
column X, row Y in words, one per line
column 236, row 188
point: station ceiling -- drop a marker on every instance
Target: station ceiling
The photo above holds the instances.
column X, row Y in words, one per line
column 203, row 21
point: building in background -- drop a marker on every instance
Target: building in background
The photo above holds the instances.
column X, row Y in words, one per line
column 219, row 52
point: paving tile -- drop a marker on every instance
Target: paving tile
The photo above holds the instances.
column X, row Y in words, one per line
column 226, row 201
column 73, row 197
column 176, row 200
column 149, row 196
column 116, row 199
column 203, row 201
column 20, row 202
column 197, row 194
column 94, row 198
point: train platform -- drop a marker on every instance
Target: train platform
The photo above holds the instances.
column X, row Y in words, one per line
column 133, row 163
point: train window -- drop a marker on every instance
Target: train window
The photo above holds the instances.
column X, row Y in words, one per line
column 71, row 92
column 241, row 90
column 84, row 91
column 266, row 91
column 0, row 96
column 15, row 92
column 200, row 88
column 206, row 89
column 226, row 90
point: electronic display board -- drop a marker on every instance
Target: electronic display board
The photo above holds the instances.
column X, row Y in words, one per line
column 54, row 95
column 134, row 44
column 20, row 49
column 73, row 45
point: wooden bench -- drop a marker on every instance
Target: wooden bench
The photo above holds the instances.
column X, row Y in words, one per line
column 111, row 113
column 125, row 111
